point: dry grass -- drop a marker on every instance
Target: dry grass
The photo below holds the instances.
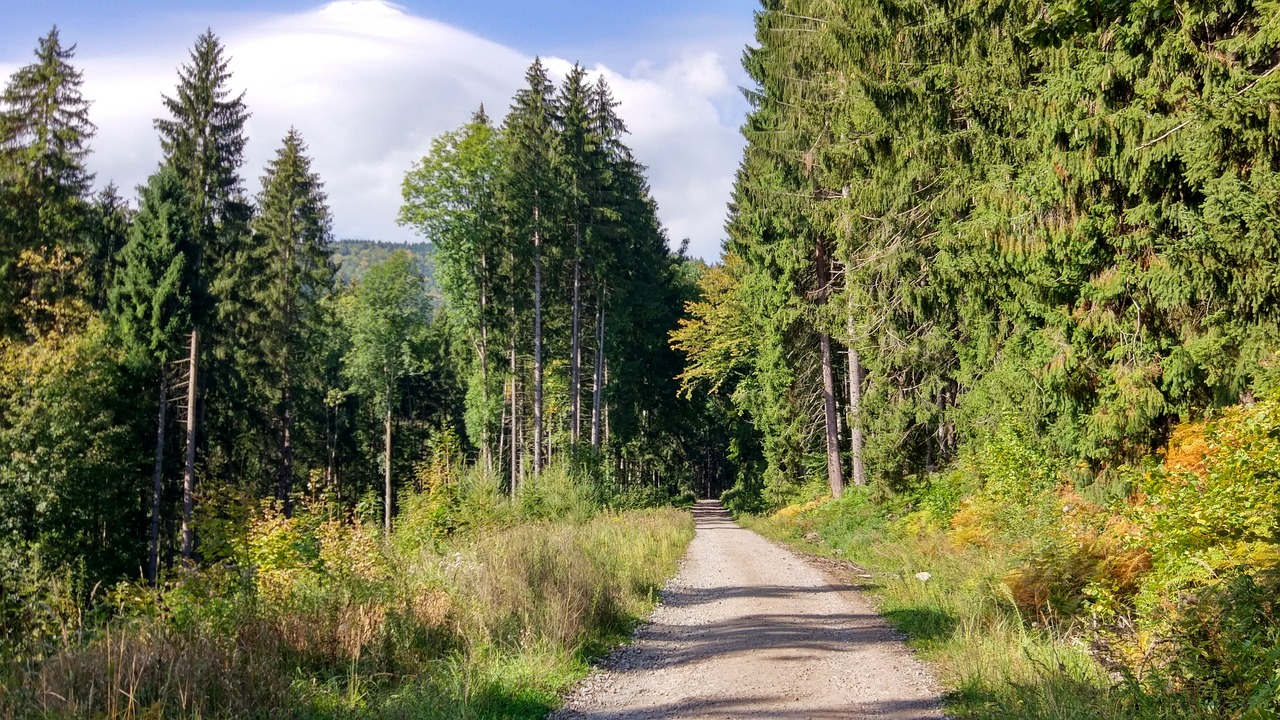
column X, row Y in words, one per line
column 493, row 623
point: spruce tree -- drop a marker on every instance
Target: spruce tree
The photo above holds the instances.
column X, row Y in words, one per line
column 292, row 235
column 579, row 145
column 530, row 197
column 151, row 307
column 45, row 193
column 203, row 140
column 109, row 224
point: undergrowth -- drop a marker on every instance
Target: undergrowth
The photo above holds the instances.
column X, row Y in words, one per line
column 477, row 606
column 1152, row 592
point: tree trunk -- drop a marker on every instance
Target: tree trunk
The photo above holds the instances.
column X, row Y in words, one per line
column 330, row 448
column 575, row 344
column 597, row 394
column 386, row 469
column 286, row 449
column 835, row 466
column 855, row 402
column 835, row 475
column 157, row 485
column 537, row 348
column 189, row 461
column 486, row 443
column 515, row 421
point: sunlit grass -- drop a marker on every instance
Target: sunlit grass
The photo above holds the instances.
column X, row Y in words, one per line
column 496, row 621
column 992, row 662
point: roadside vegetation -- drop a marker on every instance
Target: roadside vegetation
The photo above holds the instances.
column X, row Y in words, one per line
column 233, row 450
column 476, row 606
column 1153, row 595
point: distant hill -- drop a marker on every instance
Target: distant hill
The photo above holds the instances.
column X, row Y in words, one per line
column 354, row 257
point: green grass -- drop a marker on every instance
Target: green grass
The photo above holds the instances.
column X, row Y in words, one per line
column 994, row 663
column 494, row 620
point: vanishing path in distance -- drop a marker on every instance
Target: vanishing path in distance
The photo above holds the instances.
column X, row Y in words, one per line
column 750, row 630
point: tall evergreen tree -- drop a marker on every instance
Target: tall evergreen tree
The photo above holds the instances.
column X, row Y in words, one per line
column 530, row 197
column 292, row 234
column 203, row 140
column 150, row 306
column 45, row 193
column 577, row 166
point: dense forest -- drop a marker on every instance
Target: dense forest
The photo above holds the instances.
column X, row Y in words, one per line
column 353, row 258
column 996, row 317
column 1013, row 269
column 203, row 393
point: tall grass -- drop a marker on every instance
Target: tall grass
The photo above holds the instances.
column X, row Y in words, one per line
column 996, row 661
column 477, row 606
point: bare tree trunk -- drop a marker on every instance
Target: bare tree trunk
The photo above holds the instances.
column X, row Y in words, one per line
column 597, row 394
column 386, row 469
column 502, row 430
column 515, row 421
column 835, row 474
column 855, row 398
column 286, row 450
column 486, row 444
column 575, row 342
column 537, row 347
column 189, row 461
column 835, row 466
column 157, row 485
column 330, row 449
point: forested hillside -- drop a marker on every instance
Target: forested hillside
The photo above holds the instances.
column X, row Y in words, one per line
column 235, row 454
column 353, row 258
column 1013, row 267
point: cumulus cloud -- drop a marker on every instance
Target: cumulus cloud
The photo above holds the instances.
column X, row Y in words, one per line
column 368, row 85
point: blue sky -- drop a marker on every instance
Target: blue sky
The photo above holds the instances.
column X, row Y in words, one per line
column 369, row 83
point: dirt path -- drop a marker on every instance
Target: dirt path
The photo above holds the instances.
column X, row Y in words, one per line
column 749, row 629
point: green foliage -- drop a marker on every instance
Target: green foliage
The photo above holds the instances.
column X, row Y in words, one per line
column 321, row 617
column 73, row 473
column 386, row 316
column 151, row 300
column 44, row 187
column 353, row 258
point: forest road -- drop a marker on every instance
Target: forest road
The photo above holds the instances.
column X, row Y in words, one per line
column 750, row 630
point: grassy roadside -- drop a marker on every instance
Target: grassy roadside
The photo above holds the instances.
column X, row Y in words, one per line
column 476, row 607
column 994, row 662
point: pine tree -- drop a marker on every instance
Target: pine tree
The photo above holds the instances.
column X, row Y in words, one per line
column 292, row 234
column 44, row 196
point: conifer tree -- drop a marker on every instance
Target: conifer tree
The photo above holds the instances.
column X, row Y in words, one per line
column 150, row 306
column 292, row 234
column 44, row 196
column 108, row 231
column 529, row 193
column 577, row 166
column 203, row 140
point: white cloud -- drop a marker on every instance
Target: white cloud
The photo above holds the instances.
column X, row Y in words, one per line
column 368, row 85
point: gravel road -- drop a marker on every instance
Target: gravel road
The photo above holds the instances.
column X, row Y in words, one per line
column 750, row 630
